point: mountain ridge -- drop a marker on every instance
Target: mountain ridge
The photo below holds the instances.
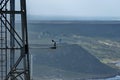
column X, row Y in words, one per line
column 73, row 58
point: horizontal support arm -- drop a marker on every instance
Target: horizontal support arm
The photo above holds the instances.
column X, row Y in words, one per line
column 11, row 12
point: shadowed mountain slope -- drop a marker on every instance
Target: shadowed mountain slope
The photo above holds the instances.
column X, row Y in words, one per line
column 72, row 58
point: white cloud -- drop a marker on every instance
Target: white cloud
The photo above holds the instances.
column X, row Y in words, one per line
column 74, row 7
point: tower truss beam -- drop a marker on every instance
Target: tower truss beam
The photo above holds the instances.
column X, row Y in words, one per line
column 14, row 50
column 11, row 12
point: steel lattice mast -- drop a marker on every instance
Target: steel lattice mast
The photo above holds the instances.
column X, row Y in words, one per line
column 14, row 53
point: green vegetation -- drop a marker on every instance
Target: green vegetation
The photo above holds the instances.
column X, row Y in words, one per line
column 106, row 50
column 100, row 47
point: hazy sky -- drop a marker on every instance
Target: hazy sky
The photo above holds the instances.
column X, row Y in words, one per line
column 74, row 8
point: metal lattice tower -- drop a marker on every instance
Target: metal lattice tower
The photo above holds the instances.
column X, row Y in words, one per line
column 14, row 53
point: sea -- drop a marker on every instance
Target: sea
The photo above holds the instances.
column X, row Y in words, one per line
column 113, row 78
column 43, row 30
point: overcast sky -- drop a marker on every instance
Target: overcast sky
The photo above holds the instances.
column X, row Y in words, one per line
column 74, row 8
